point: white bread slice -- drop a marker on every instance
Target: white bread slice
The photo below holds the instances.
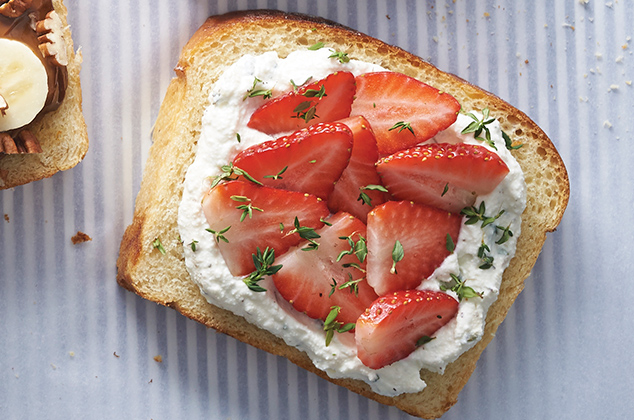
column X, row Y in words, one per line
column 216, row 45
column 62, row 133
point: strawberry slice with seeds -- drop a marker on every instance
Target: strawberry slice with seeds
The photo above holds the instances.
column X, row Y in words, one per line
column 313, row 279
column 329, row 99
column 395, row 325
column 402, row 110
column 253, row 215
column 448, row 176
column 359, row 188
column 406, row 243
column 309, row 160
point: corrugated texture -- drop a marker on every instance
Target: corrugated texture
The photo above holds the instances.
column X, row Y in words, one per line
column 73, row 345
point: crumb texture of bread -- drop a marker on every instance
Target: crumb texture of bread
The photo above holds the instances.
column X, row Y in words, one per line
column 221, row 41
column 62, row 133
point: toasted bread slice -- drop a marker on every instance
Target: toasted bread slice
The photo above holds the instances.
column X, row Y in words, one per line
column 62, row 134
column 221, row 40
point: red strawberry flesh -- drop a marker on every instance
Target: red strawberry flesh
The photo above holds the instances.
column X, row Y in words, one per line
column 280, row 115
column 263, row 228
column 386, row 98
column 390, row 329
column 314, row 158
column 421, row 173
column 422, row 232
column 360, row 172
column 306, row 276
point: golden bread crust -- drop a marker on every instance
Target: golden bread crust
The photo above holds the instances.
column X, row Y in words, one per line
column 217, row 44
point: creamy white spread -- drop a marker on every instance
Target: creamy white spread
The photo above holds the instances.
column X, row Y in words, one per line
column 226, row 116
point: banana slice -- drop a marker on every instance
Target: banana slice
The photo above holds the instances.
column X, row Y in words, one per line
column 23, row 84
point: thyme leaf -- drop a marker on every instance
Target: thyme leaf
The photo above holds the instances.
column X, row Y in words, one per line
column 158, row 245
column 458, row 287
column 402, row 125
column 397, row 255
column 263, row 262
column 331, row 325
column 480, row 125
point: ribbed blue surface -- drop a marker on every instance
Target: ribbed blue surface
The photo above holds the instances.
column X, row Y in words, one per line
column 562, row 351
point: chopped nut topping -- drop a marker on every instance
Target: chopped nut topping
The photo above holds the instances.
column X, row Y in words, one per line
column 52, row 43
column 25, row 142
column 15, row 8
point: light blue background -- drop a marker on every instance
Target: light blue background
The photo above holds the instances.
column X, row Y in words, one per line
column 564, row 351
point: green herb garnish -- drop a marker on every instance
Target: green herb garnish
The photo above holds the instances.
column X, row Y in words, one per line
column 263, row 262
column 158, row 245
column 341, row 56
column 278, row 175
column 219, row 235
column 317, row 46
column 253, row 92
column 487, row 260
column 247, row 209
column 479, row 125
column 509, row 143
column 331, row 324
column 228, row 172
column 364, row 198
column 477, row 214
column 402, row 125
column 424, row 340
column 397, row 255
column 459, row 288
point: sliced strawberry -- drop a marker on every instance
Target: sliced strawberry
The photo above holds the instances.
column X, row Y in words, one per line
column 420, row 230
column 387, row 98
column 260, row 226
column 306, row 276
column 329, row 99
column 314, row 158
column 395, row 325
column 421, row 174
column 360, row 173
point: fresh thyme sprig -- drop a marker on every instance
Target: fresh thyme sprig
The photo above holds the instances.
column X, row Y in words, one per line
column 307, row 233
column 192, row 245
column 342, row 57
column 459, row 288
column 358, row 248
column 477, row 214
column 506, row 234
column 228, row 173
column 247, row 209
column 158, row 245
column 306, row 111
column 219, row 235
column 278, row 175
column 316, row 93
column 263, row 262
column 253, row 92
column 351, row 284
column 402, row 125
column 397, row 255
column 365, row 198
column 331, row 325
column 480, row 125
column 316, row 46
column 486, row 259
column 509, row 143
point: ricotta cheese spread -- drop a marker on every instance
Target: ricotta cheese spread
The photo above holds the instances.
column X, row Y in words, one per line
column 227, row 116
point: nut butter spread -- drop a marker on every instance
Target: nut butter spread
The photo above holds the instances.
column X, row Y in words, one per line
column 35, row 24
